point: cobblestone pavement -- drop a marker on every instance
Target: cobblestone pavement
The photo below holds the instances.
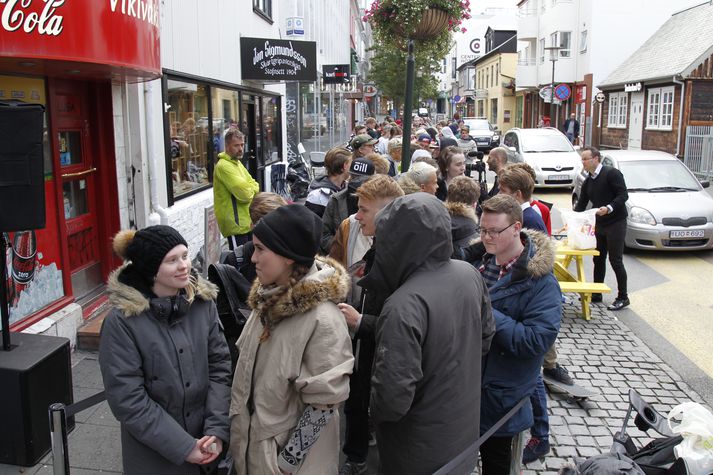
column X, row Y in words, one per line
column 604, row 355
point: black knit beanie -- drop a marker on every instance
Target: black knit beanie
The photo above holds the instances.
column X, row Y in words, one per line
column 147, row 247
column 292, row 231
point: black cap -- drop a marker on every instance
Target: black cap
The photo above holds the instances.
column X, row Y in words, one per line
column 292, row 231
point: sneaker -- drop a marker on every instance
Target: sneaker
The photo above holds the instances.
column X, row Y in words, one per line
column 558, row 373
column 535, row 449
column 619, row 304
column 353, row 468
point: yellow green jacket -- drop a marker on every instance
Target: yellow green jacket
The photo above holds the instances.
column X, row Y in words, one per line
column 233, row 191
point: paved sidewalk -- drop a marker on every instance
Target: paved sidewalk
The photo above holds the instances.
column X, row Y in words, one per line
column 601, row 353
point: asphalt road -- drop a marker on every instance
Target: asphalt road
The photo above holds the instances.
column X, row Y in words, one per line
column 671, row 303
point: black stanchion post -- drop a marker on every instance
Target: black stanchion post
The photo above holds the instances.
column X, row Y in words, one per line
column 58, row 436
column 4, row 303
column 408, row 105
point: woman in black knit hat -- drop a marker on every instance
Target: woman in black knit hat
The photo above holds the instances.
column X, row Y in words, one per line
column 295, row 353
column 163, row 357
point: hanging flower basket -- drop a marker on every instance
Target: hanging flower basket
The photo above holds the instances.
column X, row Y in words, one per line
column 416, row 19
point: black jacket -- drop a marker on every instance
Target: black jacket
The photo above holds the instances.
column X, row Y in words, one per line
column 608, row 188
column 576, row 126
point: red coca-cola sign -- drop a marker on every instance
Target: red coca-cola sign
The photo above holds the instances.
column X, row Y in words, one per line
column 119, row 33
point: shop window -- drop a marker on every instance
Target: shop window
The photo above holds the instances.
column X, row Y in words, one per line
column 225, row 108
column 271, row 129
column 34, row 263
column 191, row 150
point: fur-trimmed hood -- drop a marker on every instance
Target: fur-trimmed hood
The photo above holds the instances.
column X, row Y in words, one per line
column 460, row 209
column 131, row 301
column 326, row 281
column 536, row 260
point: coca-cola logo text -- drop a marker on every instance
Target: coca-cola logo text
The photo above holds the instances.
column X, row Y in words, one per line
column 16, row 15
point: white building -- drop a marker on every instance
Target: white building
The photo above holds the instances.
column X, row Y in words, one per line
column 594, row 37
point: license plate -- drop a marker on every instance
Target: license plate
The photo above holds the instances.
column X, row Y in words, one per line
column 559, row 178
column 482, row 142
column 686, row 234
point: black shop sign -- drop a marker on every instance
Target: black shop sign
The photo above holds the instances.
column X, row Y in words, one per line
column 268, row 59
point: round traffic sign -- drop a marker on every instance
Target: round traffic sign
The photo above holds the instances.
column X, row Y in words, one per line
column 600, row 97
column 562, row 92
column 456, row 99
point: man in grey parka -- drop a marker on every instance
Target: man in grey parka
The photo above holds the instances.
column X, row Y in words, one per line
column 430, row 338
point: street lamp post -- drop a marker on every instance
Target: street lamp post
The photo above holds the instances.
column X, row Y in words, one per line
column 554, row 56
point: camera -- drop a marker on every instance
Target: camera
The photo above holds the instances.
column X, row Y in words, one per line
column 477, row 166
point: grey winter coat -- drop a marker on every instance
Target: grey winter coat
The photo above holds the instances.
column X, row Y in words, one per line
column 430, row 338
column 166, row 371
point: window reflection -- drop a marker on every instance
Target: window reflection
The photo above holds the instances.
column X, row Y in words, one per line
column 271, row 129
column 188, row 119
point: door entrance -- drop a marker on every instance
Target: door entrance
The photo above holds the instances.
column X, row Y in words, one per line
column 636, row 120
column 78, row 160
column 247, row 127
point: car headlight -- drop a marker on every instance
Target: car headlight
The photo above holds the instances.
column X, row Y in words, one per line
column 641, row 216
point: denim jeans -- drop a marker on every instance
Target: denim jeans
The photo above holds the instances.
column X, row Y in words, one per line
column 538, row 399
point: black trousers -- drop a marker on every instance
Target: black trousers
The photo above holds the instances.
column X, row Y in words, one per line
column 356, row 408
column 496, row 455
column 610, row 240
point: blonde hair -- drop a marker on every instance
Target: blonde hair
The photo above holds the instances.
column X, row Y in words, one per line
column 381, row 165
column 263, row 203
column 379, row 187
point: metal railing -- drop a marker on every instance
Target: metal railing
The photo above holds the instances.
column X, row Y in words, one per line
column 698, row 154
column 58, row 414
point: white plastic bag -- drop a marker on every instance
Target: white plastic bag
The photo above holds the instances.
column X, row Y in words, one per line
column 580, row 228
column 696, row 427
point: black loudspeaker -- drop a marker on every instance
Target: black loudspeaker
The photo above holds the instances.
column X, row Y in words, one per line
column 21, row 169
column 35, row 374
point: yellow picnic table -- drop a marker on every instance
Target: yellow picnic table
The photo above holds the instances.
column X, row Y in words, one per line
column 570, row 282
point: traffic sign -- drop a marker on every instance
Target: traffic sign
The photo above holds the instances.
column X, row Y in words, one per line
column 600, row 97
column 370, row 90
column 545, row 92
column 456, row 99
column 562, row 92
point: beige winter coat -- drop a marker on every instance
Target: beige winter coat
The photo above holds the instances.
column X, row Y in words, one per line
column 306, row 360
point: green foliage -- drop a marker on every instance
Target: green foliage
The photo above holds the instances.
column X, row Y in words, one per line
column 388, row 69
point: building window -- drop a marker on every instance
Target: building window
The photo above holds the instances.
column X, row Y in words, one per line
column 264, row 8
column 542, row 50
column 492, row 75
column 190, row 149
column 660, row 108
column 583, row 42
column 493, row 111
column 565, row 44
column 618, row 102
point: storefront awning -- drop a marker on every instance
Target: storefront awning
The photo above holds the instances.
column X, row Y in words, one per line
column 81, row 39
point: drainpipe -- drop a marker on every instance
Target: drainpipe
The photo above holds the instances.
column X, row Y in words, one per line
column 153, row 159
column 680, row 114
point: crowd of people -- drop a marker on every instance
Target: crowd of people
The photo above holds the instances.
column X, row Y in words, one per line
column 416, row 302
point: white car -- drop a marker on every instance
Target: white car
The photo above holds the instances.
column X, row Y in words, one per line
column 668, row 207
column 549, row 152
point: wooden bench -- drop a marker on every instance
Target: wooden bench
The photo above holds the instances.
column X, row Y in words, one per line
column 585, row 291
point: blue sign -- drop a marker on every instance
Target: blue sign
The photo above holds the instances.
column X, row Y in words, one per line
column 456, row 99
column 562, row 92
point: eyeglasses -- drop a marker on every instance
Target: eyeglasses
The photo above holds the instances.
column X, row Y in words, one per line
column 493, row 233
column 587, row 159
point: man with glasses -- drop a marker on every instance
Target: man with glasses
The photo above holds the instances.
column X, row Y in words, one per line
column 516, row 265
column 606, row 189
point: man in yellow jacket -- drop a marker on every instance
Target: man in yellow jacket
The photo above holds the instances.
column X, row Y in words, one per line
column 233, row 191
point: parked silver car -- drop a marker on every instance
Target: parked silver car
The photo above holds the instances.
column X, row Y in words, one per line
column 668, row 207
column 548, row 152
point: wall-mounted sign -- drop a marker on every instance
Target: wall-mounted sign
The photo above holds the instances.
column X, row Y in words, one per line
column 633, row 87
column 475, row 45
column 370, row 90
column 295, row 26
column 84, row 32
column 600, row 97
column 268, row 59
column 335, row 73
